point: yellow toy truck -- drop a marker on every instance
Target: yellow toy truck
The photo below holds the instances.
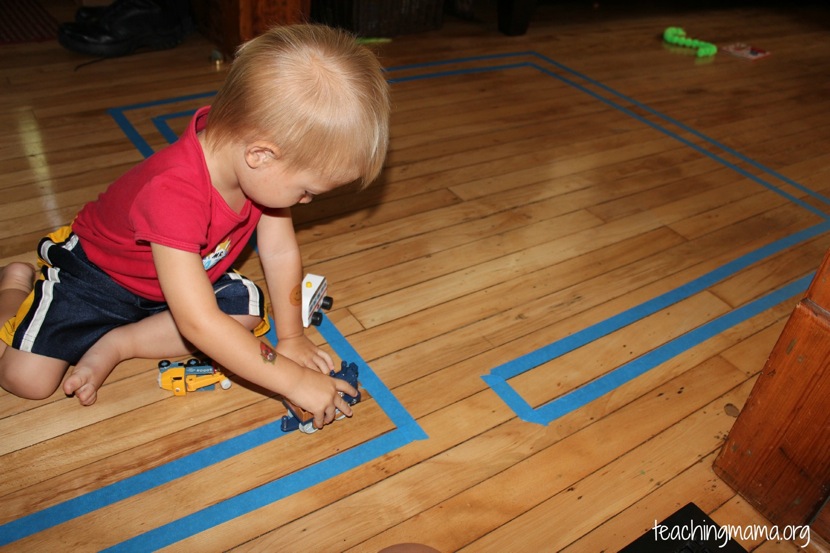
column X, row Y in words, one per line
column 191, row 376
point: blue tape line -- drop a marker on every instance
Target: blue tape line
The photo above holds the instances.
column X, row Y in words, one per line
column 165, row 130
column 167, row 101
column 512, row 399
column 616, row 322
column 626, row 111
column 262, row 496
column 582, row 395
column 161, row 123
column 130, row 131
column 460, row 72
column 118, row 114
column 625, row 373
column 369, row 380
column 689, row 143
column 685, row 127
column 407, row 430
column 134, row 485
column 456, row 61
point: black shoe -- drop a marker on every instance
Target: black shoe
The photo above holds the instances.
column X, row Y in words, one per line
column 89, row 14
column 124, row 27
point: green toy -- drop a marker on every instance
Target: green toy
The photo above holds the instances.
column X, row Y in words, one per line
column 372, row 40
column 676, row 35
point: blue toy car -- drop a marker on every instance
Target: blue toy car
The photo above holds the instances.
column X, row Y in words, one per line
column 300, row 419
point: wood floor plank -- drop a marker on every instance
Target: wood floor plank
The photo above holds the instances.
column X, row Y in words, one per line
column 573, row 457
column 538, row 188
column 695, row 484
column 656, row 460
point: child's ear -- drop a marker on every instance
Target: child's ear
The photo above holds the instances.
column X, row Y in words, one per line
column 260, row 153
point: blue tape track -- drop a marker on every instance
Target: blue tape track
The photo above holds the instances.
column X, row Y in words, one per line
column 612, row 324
column 407, row 430
column 497, row 379
column 259, row 497
column 612, row 380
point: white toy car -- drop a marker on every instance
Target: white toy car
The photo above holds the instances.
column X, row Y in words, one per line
column 314, row 299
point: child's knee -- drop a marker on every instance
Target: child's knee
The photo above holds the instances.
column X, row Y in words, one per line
column 19, row 377
column 17, row 276
column 250, row 322
column 27, row 388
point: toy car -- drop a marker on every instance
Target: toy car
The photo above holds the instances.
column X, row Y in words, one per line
column 300, row 419
column 314, row 299
column 190, row 376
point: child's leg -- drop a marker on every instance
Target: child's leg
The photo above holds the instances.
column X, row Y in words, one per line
column 16, row 281
column 29, row 375
column 155, row 337
column 26, row 375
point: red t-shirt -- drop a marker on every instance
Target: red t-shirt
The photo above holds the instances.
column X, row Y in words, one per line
column 167, row 199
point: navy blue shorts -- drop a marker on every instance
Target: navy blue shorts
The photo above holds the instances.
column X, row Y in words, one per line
column 75, row 303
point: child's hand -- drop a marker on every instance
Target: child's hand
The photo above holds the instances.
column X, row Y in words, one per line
column 321, row 396
column 302, row 351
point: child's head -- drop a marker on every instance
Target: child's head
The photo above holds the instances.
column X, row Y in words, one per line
column 315, row 93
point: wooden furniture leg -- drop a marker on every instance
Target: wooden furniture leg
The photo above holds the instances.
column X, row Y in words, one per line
column 777, row 455
column 514, row 16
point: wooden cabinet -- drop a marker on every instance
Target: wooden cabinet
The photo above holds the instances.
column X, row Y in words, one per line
column 777, row 455
column 229, row 23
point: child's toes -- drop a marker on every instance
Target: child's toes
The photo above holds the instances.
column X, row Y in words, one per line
column 86, row 394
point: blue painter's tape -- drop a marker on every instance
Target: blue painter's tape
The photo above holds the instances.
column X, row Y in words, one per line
column 608, row 89
column 616, row 322
column 625, row 373
column 688, row 143
column 134, row 485
column 161, row 123
column 167, row 101
column 369, row 380
column 407, row 430
column 262, row 496
column 119, row 115
column 683, row 126
column 791, row 198
column 458, row 61
column 511, row 397
column 132, row 134
column 454, row 72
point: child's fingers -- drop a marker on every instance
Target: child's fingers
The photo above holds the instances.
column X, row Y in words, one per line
column 344, row 407
column 345, row 387
column 322, row 362
column 327, row 416
column 329, row 362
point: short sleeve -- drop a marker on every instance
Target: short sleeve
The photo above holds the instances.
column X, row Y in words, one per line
column 172, row 212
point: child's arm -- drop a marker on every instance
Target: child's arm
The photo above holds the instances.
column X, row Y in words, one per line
column 283, row 269
column 190, row 296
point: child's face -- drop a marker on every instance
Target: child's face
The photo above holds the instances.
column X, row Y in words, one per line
column 270, row 182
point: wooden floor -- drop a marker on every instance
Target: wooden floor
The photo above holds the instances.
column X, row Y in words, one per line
column 580, row 206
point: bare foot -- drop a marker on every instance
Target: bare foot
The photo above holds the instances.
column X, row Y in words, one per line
column 17, row 276
column 83, row 385
column 90, row 372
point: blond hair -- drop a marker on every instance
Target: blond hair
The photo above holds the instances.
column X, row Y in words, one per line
column 314, row 92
